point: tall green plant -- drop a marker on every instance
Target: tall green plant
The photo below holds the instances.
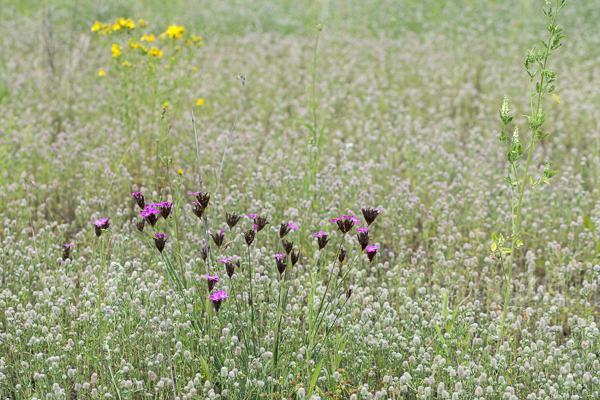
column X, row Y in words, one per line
column 315, row 133
column 540, row 85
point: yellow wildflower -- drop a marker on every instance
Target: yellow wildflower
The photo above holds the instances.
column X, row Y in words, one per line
column 180, row 171
column 200, row 102
column 142, row 23
column 154, row 52
column 175, row 32
column 96, row 27
column 116, row 50
column 167, row 66
column 105, row 29
column 196, row 38
column 101, row 72
column 134, row 45
column 166, row 104
column 116, row 27
column 126, row 64
column 195, row 69
column 148, row 38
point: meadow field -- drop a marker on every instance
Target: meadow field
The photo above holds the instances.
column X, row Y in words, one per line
column 310, row 199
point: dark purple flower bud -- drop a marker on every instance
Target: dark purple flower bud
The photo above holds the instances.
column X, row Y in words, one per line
column 218, row 238
column 284, row 230
column 249, row 236
column 203, row 198
column 349, row 293
column 165, row 209
column 140, row 225
column 260, row 223
column 342, row 255
column 198, row 209
column 294, row 257
column 217, row 298
column 101, row 225
column 281, row 260
column 204, row 252
column 139, row 199
column 363, row 239
column 66, row 250
column 230, row 268
column 212, row 281
column 345, row 222
column 287, row 246
column 160, row 240
column 370, row 214
column 371, row 251
column 232, row 219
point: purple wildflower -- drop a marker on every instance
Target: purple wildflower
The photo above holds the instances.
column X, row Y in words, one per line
column 100, row 225
column 253, row 215
column 139, row 199
column 363, row 238
column 66, row 251
column 260, row 223
column 150, row 213
column 371, row 251
column 363, row 229
column 212, row 281
column 281, row 261
column 217, row 297
column 160, row 240
column 321, row 239
column 284, row 229
column 165, row 209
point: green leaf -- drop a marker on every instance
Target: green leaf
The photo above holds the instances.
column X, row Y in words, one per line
column 205, row 368
column 314, row 378
column 493, row 247
column 556, row 98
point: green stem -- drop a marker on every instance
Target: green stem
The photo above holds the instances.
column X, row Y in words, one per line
column 515, row 227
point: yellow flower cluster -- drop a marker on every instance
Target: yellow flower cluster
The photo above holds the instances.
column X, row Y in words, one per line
column 126, row 24
column 154, row 52
column 174, row 32
column 120, row 23
column 116, row 50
